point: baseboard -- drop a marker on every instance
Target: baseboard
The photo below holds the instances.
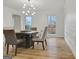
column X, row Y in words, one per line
column 70, row 46
column 54, row 36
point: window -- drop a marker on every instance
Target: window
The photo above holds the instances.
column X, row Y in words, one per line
column 52, row 24
column 28, row 22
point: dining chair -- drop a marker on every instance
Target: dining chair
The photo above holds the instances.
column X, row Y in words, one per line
column 11, row 39
column 34, row 28
column 7, row 57
column 42, row 39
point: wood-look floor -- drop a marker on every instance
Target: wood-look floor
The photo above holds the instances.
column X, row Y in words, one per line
column 56, row 49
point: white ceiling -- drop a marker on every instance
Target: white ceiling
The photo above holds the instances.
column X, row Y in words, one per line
column 42, row 5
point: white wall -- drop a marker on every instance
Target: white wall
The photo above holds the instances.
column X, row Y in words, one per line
column 70, row 24
column 41, row 20
column 7, row 17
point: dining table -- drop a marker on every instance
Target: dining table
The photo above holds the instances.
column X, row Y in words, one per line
column 28, row 35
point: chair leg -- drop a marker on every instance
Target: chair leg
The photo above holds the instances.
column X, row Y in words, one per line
column 43, row 45
column 16, row 50
column 45, row 42
column 7, row 48
column 33, row 46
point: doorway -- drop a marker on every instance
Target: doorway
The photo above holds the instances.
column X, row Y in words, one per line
column 51, row 24
column 17, row 22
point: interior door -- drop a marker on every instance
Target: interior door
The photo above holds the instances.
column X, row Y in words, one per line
column 17, row 22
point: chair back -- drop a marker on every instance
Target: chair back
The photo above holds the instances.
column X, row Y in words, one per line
column 34, row 29
column 10, row 37
column 44, row 33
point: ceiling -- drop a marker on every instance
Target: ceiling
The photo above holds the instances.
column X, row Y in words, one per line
column 42, row 5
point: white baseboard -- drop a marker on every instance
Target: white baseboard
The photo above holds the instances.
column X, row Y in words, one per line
column 70, row 46
column 53, row 36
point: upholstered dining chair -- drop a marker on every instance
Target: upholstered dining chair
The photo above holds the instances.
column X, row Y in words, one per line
column 34, row 29
column 7, row 57
column 42, row 39
column 11, row 39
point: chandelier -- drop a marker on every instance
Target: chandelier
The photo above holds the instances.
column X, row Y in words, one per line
column 29, row 9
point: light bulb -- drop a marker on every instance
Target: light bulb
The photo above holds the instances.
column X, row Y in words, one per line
column 33, row 13
column 34, row 8
column 26, row 14
column 31, row 5
column 28, row 11
column 23, row 12
column 24, row 4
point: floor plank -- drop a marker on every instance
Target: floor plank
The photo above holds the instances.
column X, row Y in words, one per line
column 56, row 49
